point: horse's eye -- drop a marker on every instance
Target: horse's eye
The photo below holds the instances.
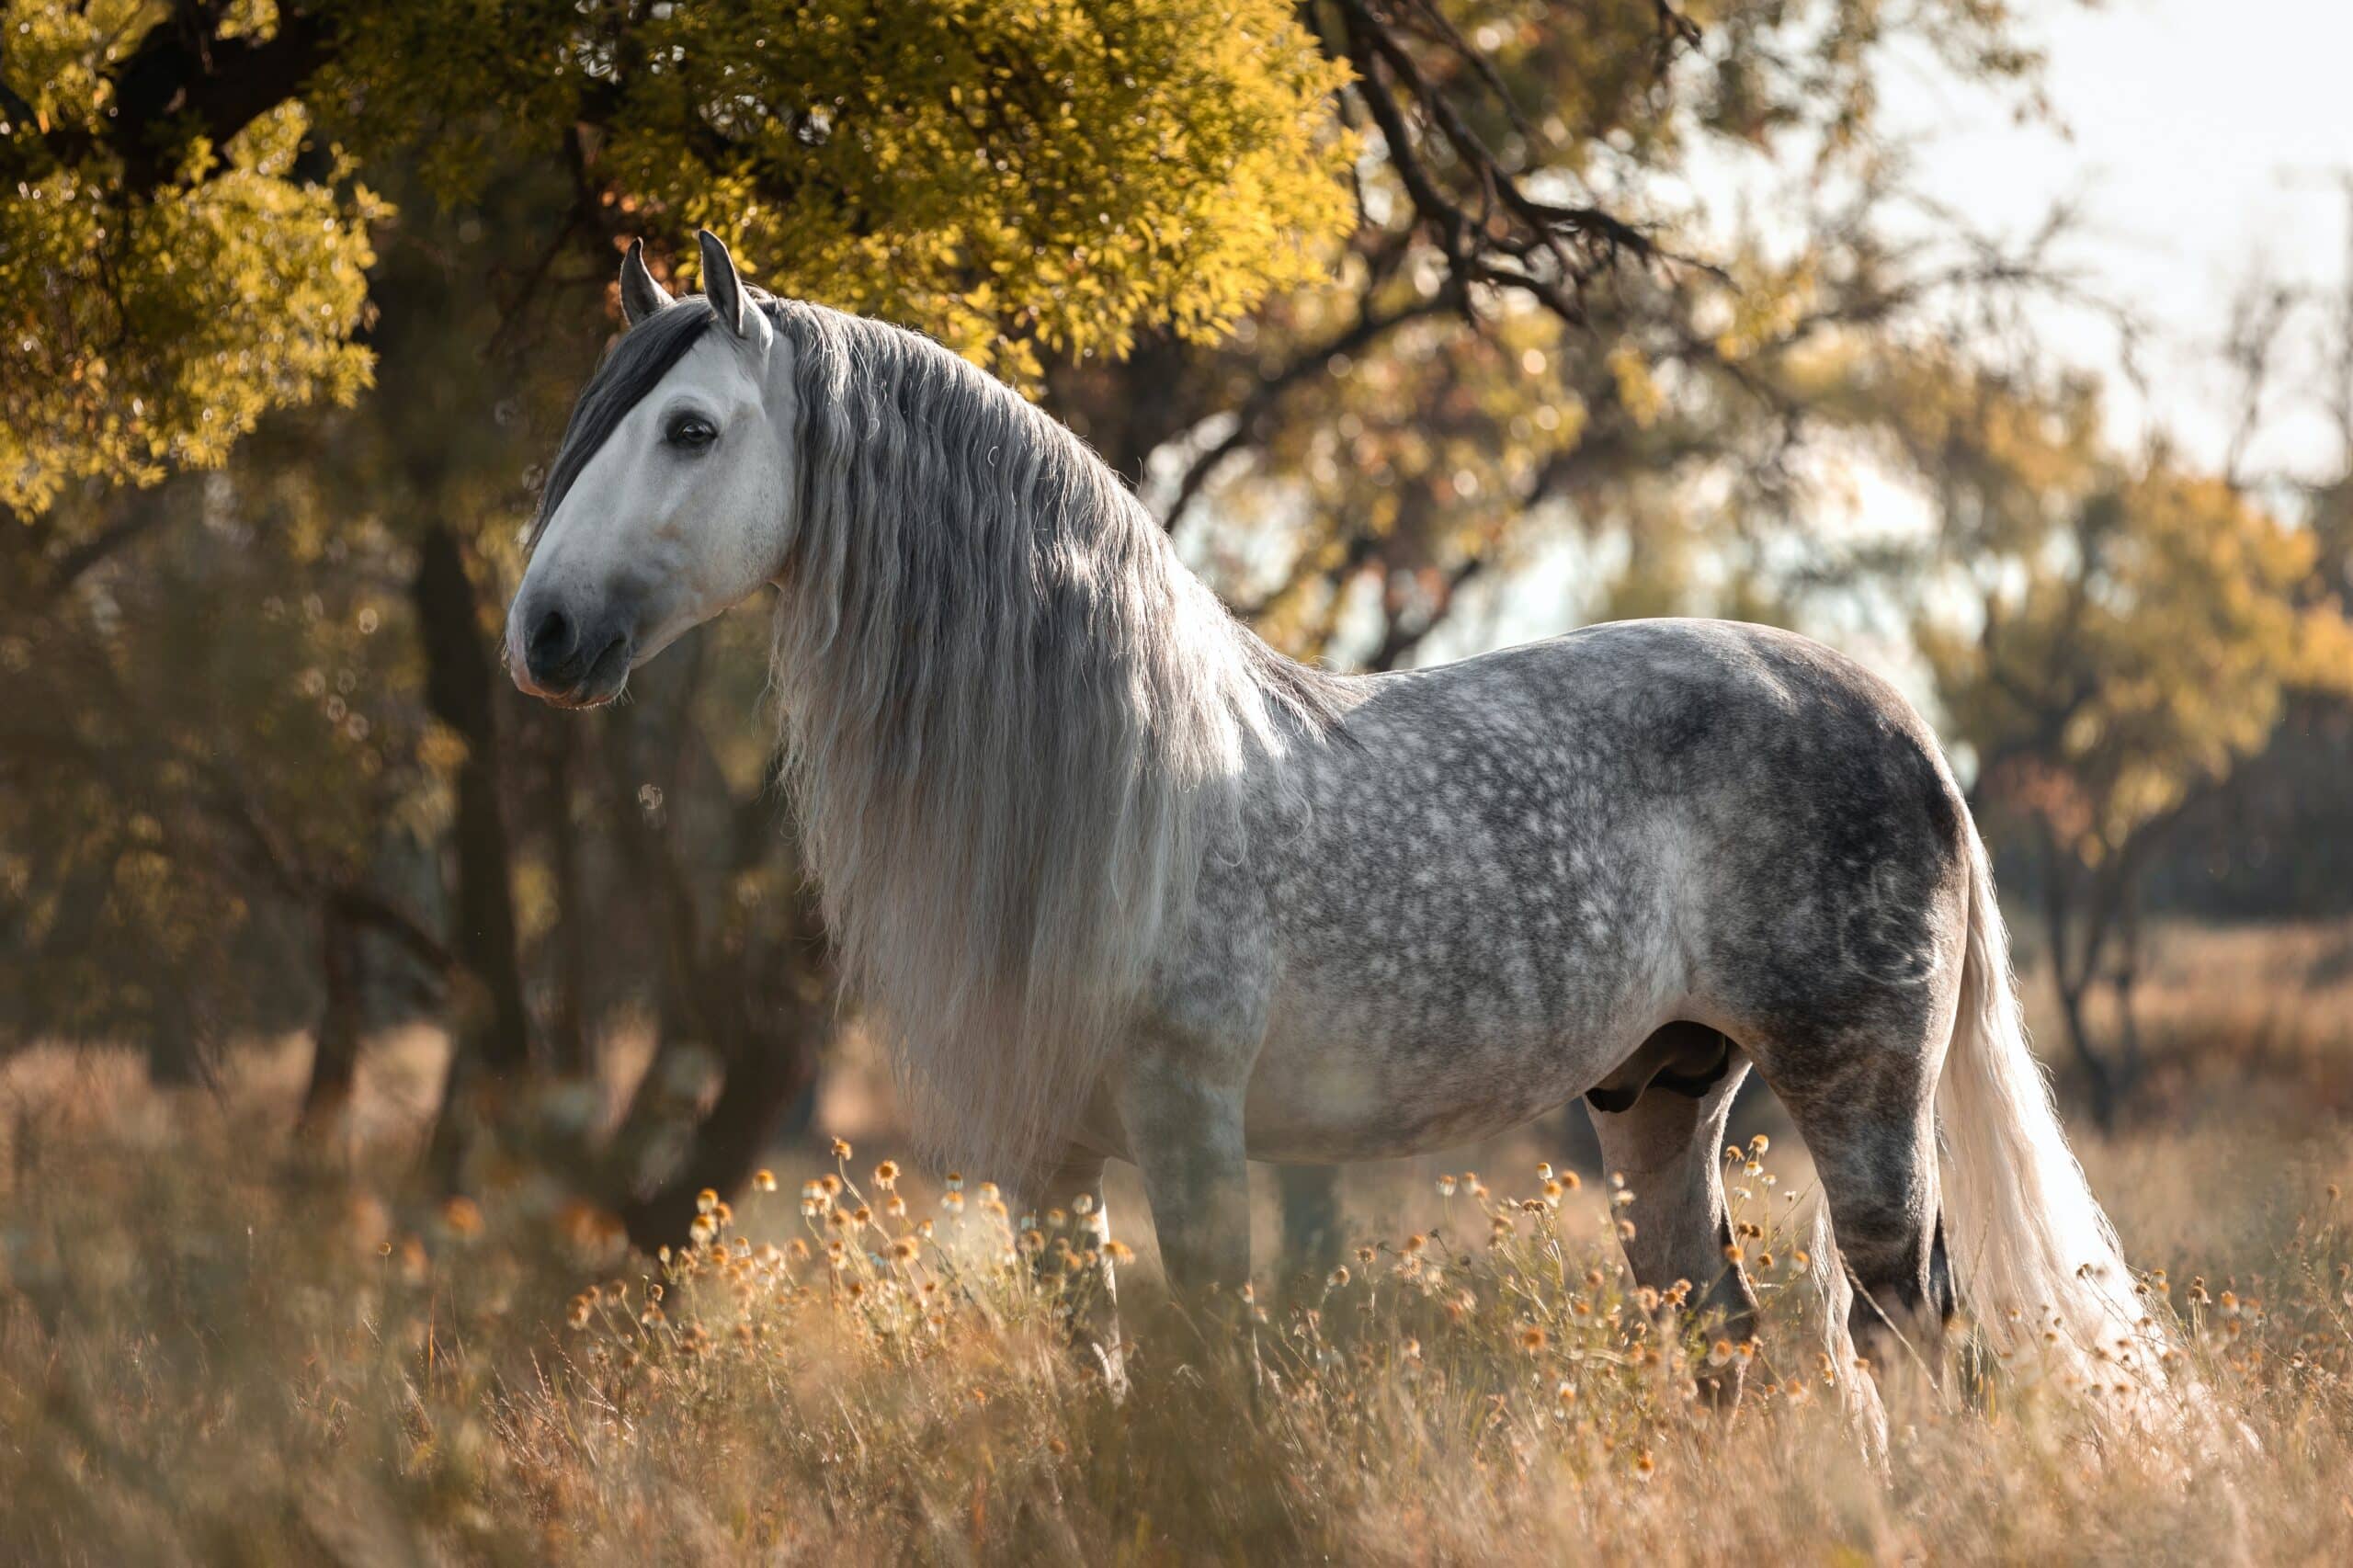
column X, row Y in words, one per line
column 691, row 431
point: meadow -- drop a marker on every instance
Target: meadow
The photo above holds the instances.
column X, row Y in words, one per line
column 220, row 1341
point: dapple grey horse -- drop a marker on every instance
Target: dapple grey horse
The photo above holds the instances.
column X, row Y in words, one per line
column 1118, row 881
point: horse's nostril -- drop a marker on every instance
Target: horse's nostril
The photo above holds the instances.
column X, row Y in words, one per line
column 552, row 638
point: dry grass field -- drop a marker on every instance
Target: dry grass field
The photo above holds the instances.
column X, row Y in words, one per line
column 216, row 1344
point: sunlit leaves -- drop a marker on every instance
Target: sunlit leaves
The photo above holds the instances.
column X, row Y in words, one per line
column 140, row 335
column 1048, row 178
column 2137, row 627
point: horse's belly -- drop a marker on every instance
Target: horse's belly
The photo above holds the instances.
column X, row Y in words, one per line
column 1349, row 1078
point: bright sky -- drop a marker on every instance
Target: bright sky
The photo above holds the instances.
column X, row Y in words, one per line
column 2204, row 141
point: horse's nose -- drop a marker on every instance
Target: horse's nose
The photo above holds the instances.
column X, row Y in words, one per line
column 549, row 646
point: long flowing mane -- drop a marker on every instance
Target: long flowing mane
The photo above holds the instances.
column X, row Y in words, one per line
column 1014, row 724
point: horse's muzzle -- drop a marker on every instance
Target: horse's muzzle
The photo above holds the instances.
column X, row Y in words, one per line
column 568, row 656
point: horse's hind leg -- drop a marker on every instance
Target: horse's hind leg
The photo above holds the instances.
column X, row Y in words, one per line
column 1865, row 1103
column 1666, row 1145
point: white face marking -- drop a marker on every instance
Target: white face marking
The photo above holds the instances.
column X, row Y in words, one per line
column 664, row 529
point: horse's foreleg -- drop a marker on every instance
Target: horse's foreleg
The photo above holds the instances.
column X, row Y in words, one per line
column 1184, row 1134
column 1074, row 1228
column 1667, row 1145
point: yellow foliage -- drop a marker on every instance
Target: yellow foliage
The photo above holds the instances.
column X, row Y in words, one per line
column 2139, row 628
column 1018, row 180
column 137, row 336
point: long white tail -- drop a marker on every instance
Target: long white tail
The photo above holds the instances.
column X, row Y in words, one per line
column 2036, row 1260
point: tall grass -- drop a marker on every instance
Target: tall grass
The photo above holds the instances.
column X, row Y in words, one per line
column 216, row 1345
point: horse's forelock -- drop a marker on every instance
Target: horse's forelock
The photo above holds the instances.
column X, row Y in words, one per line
column 634, row 367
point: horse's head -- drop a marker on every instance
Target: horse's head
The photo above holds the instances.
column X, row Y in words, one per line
column 671, row 498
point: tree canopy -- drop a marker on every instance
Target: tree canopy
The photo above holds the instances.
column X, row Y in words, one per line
column 187, row 213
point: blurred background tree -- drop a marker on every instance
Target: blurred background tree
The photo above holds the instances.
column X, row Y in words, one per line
column 1383, row 304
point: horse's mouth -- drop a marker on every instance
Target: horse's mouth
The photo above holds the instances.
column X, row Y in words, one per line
column 605, row 679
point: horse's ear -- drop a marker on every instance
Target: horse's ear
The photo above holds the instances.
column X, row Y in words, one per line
column 641, row 295
column 719, row 284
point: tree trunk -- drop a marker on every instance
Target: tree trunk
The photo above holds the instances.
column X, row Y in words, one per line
column 568, row 1027
column 2099, row 1075
column 334, row 1058
column 2074, row 959
column 491, row 1026
column 766, row 1078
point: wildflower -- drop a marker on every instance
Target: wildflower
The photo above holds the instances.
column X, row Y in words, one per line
column 953, row 1200
column 1445, row 1187
column 1416, row 1242
column 988, row 1192
column 904, row 1249
column 702, row 1230
column 897, row 1208
column 705, row 1201
column 1626, row 1230
column 723, row 1215
column 764, row 1180
column 831, row 1184
column 1732, row 1252
column 1365, row 1255
column 1566, row 1392
column 955, row 1181
column 841, row 1148
column 1719, row 1353
column 1544, row 1170
column 1082, row 1205
column 1119, row 1252
column 1338, row 1277
column 461, row 1215
column 1759, row 1144
column 1533, row 1338
column 886, row 1175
